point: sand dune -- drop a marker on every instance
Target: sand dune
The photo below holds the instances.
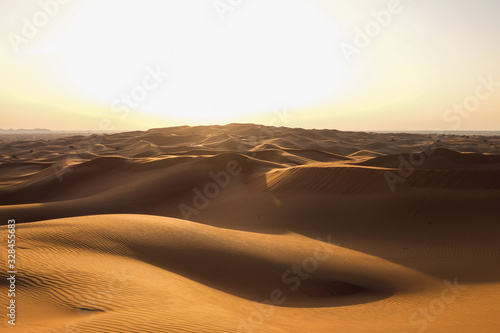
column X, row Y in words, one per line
column 190, row 229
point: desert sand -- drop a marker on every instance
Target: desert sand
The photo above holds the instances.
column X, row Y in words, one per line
column 246, row 228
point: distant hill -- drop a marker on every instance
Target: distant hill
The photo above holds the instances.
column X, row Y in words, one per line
column 17, row 131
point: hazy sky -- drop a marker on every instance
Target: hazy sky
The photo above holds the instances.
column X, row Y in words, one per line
column 350, row 65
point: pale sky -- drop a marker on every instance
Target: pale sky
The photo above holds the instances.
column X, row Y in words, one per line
column 349, row 65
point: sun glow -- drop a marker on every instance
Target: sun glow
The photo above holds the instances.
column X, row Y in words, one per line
column 263, row 56
column 354, row 65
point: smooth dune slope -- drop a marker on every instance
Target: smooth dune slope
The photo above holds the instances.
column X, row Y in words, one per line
column 136, row 273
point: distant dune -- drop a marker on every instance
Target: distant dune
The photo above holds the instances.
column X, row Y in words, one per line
column 190, row 229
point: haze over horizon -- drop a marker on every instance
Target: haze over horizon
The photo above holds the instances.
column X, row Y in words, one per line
column 362, row 65
column 104, row 131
